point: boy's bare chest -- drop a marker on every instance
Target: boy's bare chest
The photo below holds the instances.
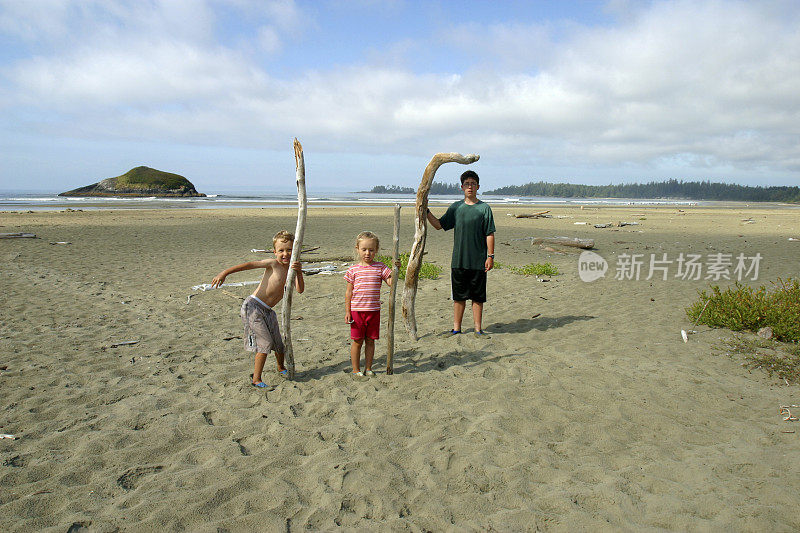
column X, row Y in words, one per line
column 274, row 278
column 270, row 290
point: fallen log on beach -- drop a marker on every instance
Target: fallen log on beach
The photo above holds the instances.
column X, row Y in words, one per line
column 586, row 244
column 542, row 214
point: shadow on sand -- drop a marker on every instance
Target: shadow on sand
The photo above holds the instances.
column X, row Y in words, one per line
column 404, row 359
column 540, row 323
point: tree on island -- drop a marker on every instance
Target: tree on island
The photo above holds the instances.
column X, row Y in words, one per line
column 690, row 190
column 436, row 188
column 139, row 181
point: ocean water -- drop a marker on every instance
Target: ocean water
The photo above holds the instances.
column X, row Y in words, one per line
column 20, row 200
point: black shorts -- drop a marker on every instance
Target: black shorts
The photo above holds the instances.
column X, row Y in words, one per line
column 468, row 284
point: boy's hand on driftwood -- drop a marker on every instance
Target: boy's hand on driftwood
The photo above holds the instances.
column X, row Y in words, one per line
column 218, row 280
column 297, row 267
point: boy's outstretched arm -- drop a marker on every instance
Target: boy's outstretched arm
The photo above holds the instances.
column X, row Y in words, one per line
column 299, row 282
column 219, row 279
column 433, row 220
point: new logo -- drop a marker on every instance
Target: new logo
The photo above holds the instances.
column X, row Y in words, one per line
column 591, row 266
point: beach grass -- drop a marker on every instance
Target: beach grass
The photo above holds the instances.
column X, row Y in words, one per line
column 536, row 269
column 776, row 358
column 427, row 270
column 745, row 308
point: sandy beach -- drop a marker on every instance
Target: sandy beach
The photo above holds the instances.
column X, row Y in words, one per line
column 132, row 407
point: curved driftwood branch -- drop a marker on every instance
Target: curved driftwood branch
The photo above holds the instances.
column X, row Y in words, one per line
column 393, row 293
column 420, row 234
column 298, row 244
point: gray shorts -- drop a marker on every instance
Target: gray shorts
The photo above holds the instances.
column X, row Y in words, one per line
column 261, row 332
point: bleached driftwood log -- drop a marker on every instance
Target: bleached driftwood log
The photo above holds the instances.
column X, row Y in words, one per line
column 565, row 241
column 288, row 289
column 542, row 214
column 420, row 234
column 393, row 292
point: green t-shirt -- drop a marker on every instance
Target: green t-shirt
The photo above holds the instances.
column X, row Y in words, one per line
column 472, row 223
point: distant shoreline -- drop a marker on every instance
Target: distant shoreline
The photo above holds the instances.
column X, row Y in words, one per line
column 436, row 205
column 667, row 190
column 52, row 202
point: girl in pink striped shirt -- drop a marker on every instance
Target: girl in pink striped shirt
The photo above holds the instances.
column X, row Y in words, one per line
column 363, row 300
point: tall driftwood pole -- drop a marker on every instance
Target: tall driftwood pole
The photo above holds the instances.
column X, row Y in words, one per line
column 298, row 245
column 420, row 233
column 393, row 292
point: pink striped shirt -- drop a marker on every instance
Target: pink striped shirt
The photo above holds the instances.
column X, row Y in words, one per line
column 366, row 282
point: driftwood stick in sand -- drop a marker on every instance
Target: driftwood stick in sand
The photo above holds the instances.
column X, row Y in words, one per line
column 420, row 233
column 393, row 292
column 565, row 241
column 260, row 251
column 302, row 206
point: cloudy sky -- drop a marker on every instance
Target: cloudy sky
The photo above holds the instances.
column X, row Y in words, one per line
column 581, row 92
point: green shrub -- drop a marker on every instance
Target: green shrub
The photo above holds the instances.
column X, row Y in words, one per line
column 536, row 269
column 426, row 271
column 742, row 307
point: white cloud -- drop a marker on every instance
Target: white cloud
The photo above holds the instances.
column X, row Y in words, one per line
column 676, row 84
column 284, row 14
column 147, row 75
column 511, row 47
column 268, row 40
column 33, row 21
column 66, row 22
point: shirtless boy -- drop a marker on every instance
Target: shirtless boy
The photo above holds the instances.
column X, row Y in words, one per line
column 261, row 332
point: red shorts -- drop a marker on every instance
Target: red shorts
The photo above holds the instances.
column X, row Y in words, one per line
column 366, row 324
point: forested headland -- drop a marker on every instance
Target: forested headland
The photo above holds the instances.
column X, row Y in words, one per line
column 436, row 188
column 690, row 190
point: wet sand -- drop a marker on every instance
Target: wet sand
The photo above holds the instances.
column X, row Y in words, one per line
column 584, row 410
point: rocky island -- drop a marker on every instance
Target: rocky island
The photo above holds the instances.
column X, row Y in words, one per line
column 139, row 181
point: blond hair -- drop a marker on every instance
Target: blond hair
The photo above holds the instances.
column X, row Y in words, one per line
column 282, row 235
column 367, row 235
column 364, row 235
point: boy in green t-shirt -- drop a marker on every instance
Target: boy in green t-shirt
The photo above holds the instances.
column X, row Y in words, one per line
column 473, row 250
